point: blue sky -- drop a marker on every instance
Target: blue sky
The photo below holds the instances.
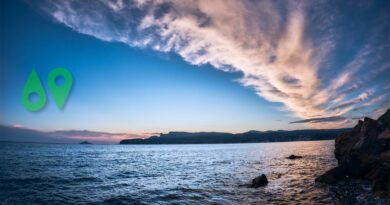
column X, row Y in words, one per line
column 147, row 67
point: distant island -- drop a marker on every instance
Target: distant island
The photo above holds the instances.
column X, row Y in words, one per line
column 85, row 142
column 246, row 137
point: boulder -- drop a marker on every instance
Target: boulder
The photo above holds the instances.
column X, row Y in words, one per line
column 364, row 153
column 259, row 181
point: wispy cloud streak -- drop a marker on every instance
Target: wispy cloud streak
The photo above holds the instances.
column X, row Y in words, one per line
column 320, row 120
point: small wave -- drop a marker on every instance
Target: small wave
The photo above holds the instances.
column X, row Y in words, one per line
column 87, row 179
column 122, row 200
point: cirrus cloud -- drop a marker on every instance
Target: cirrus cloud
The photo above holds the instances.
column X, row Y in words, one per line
column 286, row 51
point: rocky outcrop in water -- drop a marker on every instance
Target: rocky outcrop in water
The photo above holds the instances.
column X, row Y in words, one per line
column 259, row 181
column 364, row 153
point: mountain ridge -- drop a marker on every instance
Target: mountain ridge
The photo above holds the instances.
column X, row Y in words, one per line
column 252, row 136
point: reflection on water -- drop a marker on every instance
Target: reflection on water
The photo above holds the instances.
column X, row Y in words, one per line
column 170, row 174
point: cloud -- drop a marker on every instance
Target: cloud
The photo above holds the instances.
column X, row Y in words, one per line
column 18, row 125
column 21, row 134
column 321, row 119
column 348, row 103
column 374, row 100
column 281, row 48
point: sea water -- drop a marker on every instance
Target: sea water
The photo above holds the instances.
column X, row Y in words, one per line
column 172, row 174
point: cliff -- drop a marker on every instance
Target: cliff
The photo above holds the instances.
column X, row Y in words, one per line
column 364, row 153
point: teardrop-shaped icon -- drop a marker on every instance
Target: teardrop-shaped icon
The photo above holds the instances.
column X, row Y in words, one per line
column 33, row 96
column 60, row 92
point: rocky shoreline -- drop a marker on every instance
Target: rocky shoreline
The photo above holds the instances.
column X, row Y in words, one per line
column 363, row 154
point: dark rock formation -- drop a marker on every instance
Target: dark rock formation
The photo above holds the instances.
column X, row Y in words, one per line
column 364, row 153
column 259, row 181
column 332, row 176
column 85, row 142
column 294, row 157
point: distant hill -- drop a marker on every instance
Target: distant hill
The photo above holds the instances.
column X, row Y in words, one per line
column 246, row 137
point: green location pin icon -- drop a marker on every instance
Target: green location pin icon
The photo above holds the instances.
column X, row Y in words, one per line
column 33, row 88
column 60, row 91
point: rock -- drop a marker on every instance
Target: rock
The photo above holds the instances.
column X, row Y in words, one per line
column 384, row 121
column 259, row 181
column 332, row 176
column 364, row 153
column 385, row 156
column 85, row 142
column 294, row 157
column 384, row 135
column 381, row 182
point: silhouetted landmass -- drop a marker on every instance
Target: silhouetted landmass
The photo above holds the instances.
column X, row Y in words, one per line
column 364, row 153
column 246, row 137
column 85, row 142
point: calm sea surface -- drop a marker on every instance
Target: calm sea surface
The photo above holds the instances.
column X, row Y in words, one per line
column 171, row 174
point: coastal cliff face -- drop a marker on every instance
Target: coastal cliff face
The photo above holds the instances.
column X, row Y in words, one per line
column 364, row 153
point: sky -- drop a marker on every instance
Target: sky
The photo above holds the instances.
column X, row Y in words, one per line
column 143, row 67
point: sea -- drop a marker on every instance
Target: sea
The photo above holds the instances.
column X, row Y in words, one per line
column 52, row 174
